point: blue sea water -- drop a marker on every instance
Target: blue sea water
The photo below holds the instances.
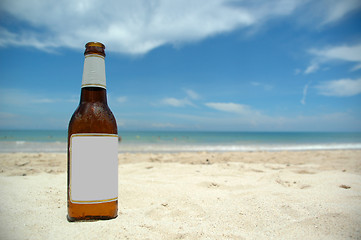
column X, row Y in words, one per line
column 183, row 141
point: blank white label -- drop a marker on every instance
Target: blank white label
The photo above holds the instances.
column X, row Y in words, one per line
column 94, row 168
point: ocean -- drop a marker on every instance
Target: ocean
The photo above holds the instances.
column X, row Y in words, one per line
column 184, row 141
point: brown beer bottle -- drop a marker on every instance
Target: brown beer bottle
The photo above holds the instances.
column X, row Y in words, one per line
column 93, row 146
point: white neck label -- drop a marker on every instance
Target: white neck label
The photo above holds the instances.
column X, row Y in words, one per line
column 94, row 71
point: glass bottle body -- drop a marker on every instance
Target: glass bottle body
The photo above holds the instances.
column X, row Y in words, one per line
column 92, row 116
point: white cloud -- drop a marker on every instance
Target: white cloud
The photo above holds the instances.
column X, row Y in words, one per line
column 174, row 102
column 232, row 107
column 247, row 118
column 335, row 10
column 305, row 89
column 345, row 53
column 323, row 13
column 357, row 67
column 181, row 102
column 138, row 26
column 337, row 53
column 133, row 27
column 340, row 88
column 192, row 94
column 262, row 85
column 312, row 68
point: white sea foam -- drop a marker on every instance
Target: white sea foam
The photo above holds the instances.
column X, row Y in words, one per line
column 24, row 146
column 61, row 147
column 234, row 148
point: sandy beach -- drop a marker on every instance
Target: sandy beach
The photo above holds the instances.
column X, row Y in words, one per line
column 229, row 195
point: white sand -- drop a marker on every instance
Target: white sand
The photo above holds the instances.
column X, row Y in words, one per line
column 260, row 195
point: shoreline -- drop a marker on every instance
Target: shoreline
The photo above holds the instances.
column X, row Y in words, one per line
column 61, row 147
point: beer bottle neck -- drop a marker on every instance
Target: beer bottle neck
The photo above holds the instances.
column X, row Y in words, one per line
column 94, row 71
column 93, row 87
column 93, row 94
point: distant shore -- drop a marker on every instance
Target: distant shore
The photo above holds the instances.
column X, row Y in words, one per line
column 199, row 195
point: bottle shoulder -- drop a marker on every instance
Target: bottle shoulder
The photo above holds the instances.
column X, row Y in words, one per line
column 93, row 118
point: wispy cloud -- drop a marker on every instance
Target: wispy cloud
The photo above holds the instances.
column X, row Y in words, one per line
column 312, row 68
column 334, row 10
column 192, row 94
column 265, row 86
column 344, row 53
column 136, row 27
column 245, row 117
column 174, row 102
column 356, row 67
column 232, row 108
column 324, row 13
column 340, row 88
column 181, row 102
column 304, row 95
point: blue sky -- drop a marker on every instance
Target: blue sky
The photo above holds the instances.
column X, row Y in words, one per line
column 186, row 65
